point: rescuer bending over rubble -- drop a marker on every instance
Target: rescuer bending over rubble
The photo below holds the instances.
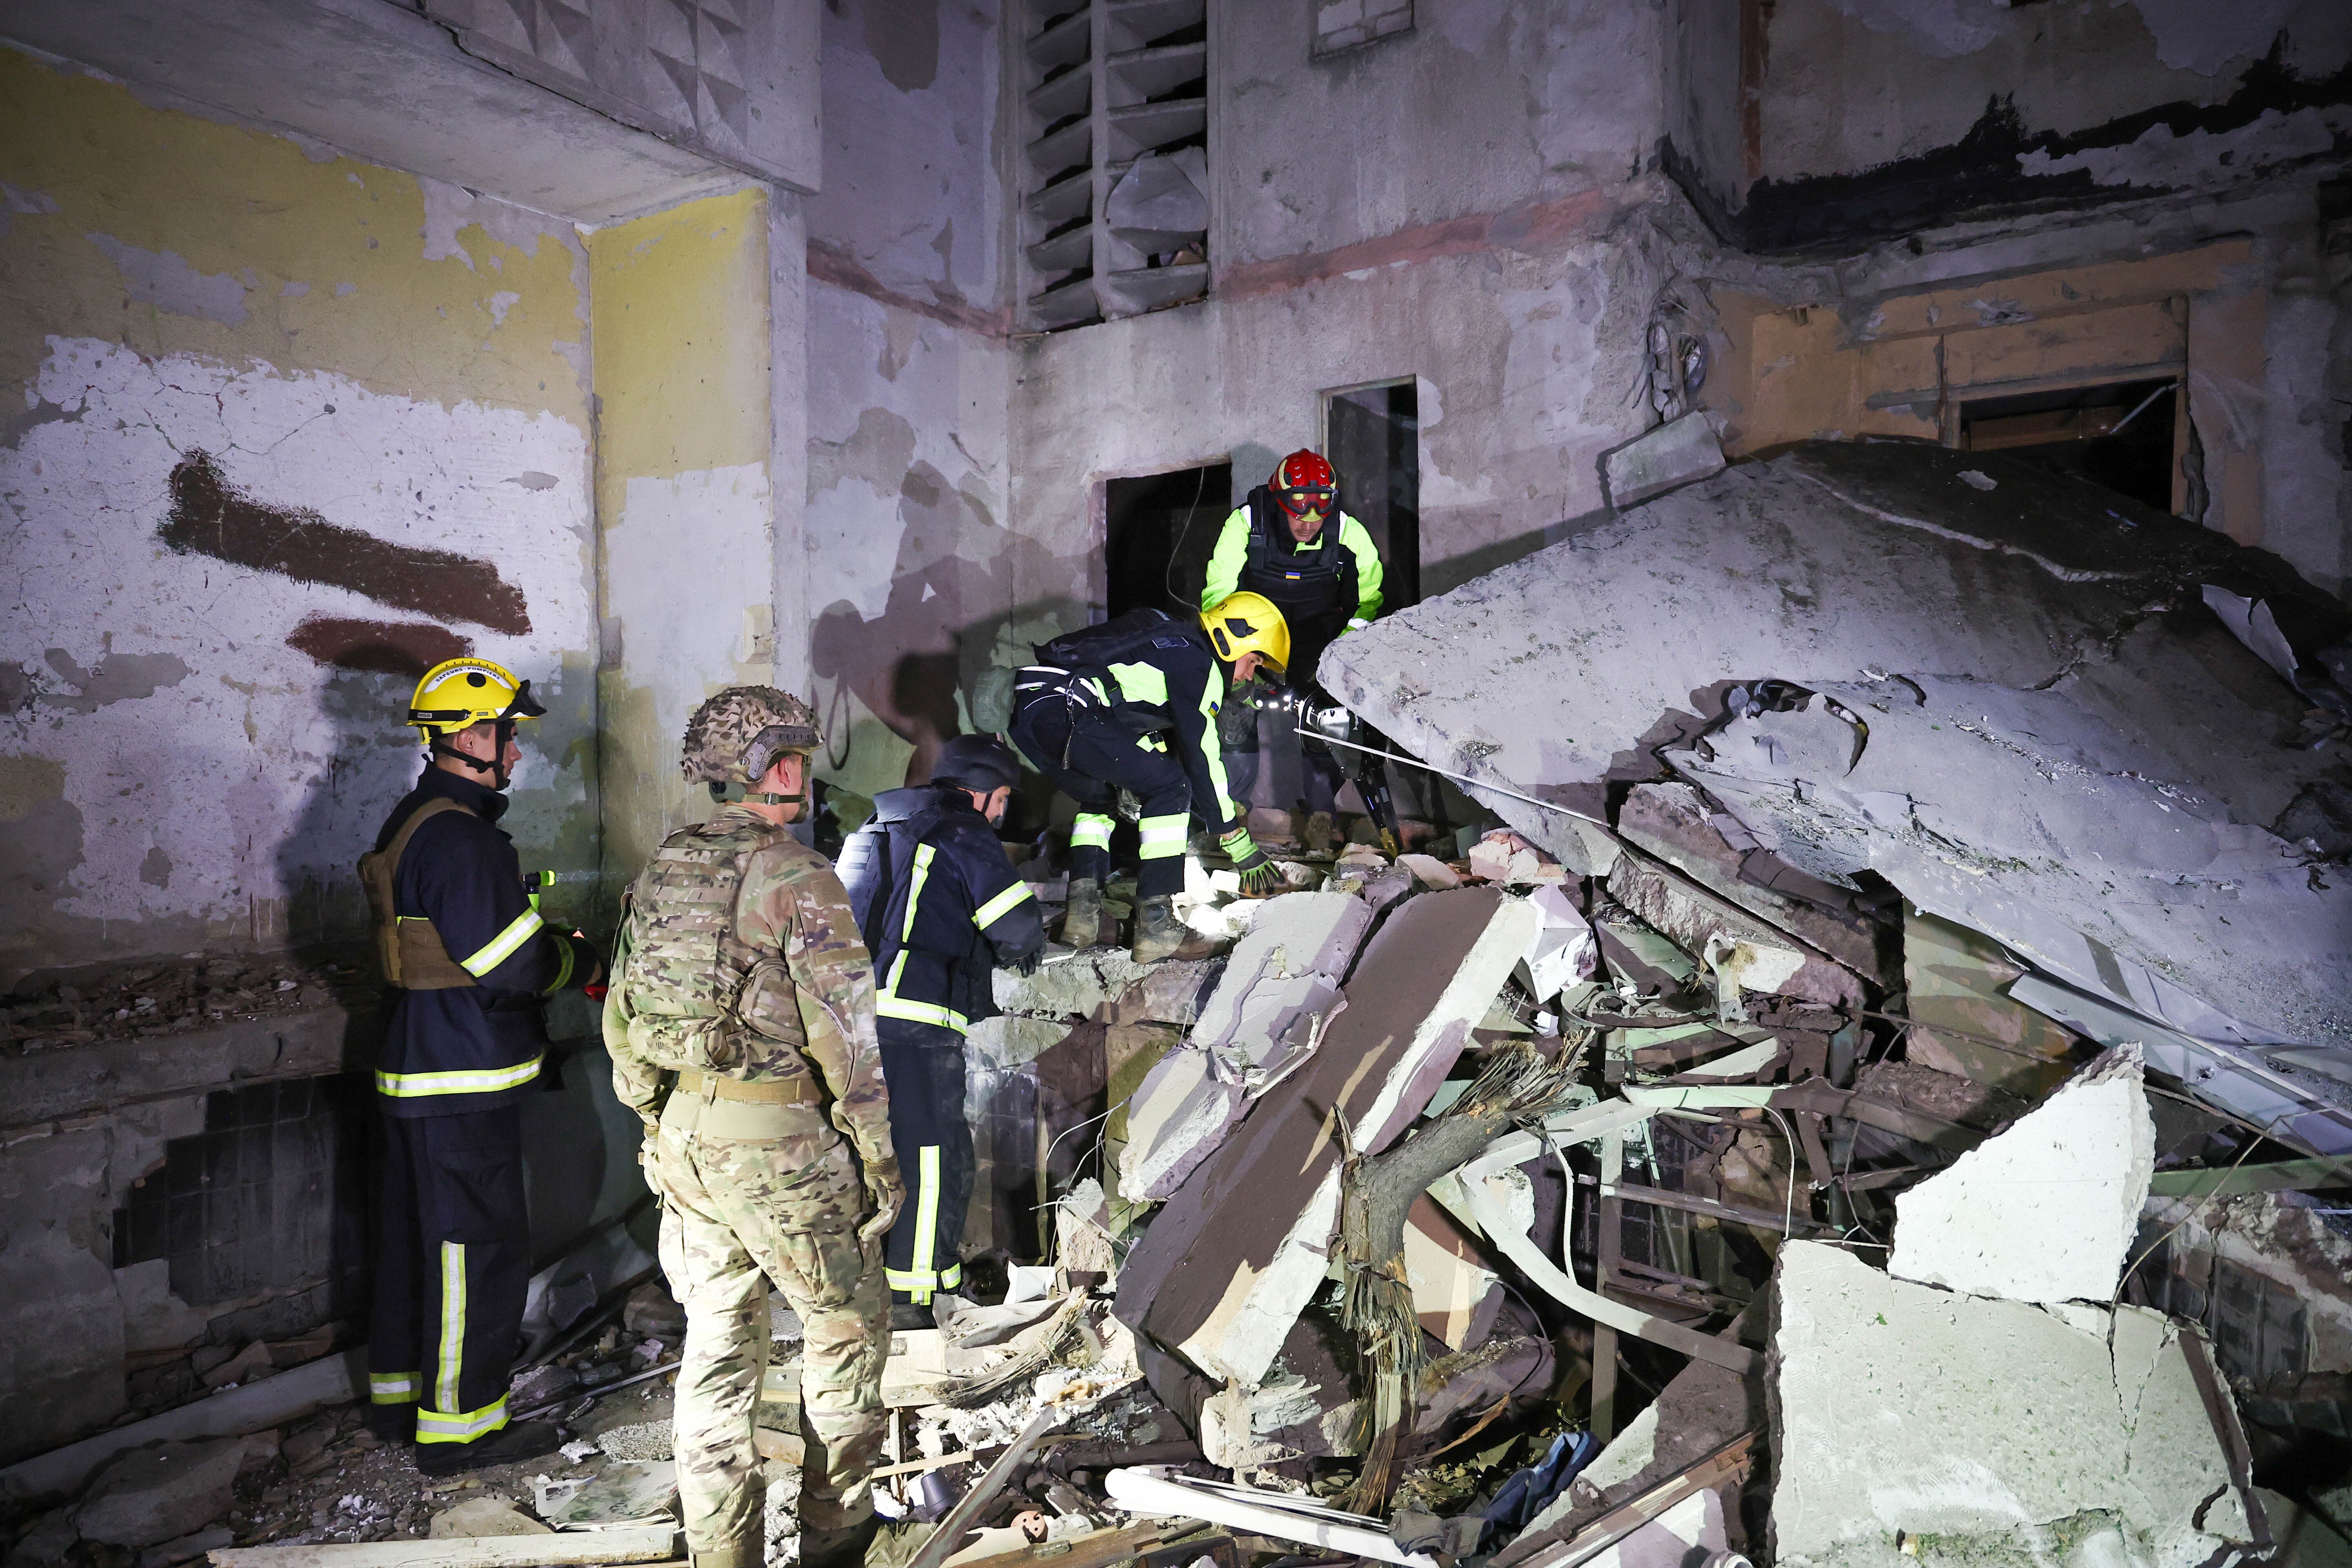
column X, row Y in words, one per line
column 941, row 908
column 1132, row 704
column 740, row 1025
column 1282, row 542
column 466, row 959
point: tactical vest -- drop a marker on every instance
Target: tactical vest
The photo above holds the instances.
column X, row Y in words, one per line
column 408, row 950
column 1304, row 585
column 698, row 996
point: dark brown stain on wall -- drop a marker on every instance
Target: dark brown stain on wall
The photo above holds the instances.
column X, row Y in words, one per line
column 382, row 648
column 210, row 517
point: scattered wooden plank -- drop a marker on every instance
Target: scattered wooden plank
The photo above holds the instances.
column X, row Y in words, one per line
column 638, row 1543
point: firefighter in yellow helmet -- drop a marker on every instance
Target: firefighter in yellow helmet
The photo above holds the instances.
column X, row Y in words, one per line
column 467, row 960
column 1132, row 704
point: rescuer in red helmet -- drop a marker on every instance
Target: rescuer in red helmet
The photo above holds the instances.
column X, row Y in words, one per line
column 1289, row 541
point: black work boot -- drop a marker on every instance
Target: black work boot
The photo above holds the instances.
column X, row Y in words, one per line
column 391, row 1423
column 523, row 1440
column 842, row 1548
column 906, row 1315
column 1160, row 934
column 1082, row 918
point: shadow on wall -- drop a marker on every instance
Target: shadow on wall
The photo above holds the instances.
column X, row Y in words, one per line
column 942, row 620
column 373, row 668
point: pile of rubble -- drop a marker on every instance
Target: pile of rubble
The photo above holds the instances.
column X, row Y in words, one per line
column 1876, row 1088
column 142, row 1000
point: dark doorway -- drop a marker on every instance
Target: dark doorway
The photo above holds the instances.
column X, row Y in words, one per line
column 1375, row 444
column 1158, row 535
column 2120, row 437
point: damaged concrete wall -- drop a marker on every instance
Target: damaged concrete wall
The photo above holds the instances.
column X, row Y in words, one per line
column 1448, row 204
column 680, row 314
column 912, row 572
column 285, row 429
column 1870, row 118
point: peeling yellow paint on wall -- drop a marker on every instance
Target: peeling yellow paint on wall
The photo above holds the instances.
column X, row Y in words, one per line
column 309, row 264
column 680, row 324
column 678, row 307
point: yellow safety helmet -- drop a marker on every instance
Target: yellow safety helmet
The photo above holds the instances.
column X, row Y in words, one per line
column 1247, row 623
column 459, row 693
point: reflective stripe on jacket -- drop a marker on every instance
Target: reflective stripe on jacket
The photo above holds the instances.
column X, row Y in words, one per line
column 939, row 906
column 477, row 1047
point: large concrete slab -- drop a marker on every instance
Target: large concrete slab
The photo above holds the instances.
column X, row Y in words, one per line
column 1259, row 1024
column 2045, row 735
column 1997, row 1429
column 1241, row 1247
column 2046, row 1211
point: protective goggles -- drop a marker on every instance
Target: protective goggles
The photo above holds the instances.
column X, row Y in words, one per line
column 1299, row 500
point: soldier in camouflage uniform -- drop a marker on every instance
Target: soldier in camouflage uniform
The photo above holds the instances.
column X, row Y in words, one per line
column 741, row 1022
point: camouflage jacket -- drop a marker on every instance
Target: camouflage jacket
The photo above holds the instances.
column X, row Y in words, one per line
column 739, row 956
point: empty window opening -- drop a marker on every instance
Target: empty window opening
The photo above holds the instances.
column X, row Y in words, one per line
column 1372, row 436
column 2123, row 436
column 1159, row 532
column 269, row 1197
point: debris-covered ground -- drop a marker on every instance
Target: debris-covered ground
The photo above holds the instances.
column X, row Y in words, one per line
column 141, row 1001
column 1864, row 1085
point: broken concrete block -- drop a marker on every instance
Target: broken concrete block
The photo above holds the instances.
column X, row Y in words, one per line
column 155, row 1494
column 1678, row 453
column 1674, row 823
column 1076, row 986
column 1430, row 871
column 1993, row 1424
column 254, row 1360
column 1504, row 856
column 1257, row 1024
column 1743, row 949
column 1242, row 1244
column 1011, row 1040
column 1563, row 951
column 2047, row 1210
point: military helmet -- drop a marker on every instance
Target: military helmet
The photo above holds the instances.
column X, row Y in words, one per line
column 736, row 737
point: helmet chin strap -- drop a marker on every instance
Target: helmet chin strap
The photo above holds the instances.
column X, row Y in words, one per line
column 496, row 767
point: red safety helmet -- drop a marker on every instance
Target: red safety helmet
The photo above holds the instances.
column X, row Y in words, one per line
column 1305, row 484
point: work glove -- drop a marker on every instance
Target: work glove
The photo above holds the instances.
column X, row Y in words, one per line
column 1259, row 877
column 887, row 1193
column 1024, row 964
column 1237, row 716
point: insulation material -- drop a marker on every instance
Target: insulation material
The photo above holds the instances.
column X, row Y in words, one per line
column 1158, row 204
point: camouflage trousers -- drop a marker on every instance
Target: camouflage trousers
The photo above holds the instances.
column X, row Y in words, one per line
column 735, row 1215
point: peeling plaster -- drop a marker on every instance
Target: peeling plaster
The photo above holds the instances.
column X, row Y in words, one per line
column 2203, row 37
column 2160, row 160
column 187, row 691
column 166, row 281
column 1940, row 29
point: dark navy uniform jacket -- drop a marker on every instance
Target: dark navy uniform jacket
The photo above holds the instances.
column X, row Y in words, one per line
column 939, row 906
column 479, row 1047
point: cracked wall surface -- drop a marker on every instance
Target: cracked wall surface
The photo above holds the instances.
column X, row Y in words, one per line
column 1459, row 206
column 917, row 570
column 680, row 315
column 214, row 344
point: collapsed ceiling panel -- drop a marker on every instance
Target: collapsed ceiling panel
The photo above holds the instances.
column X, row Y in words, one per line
column 2000, row 692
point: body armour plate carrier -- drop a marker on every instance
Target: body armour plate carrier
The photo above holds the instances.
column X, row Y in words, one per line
column 1304, row 585
column 696, row 994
